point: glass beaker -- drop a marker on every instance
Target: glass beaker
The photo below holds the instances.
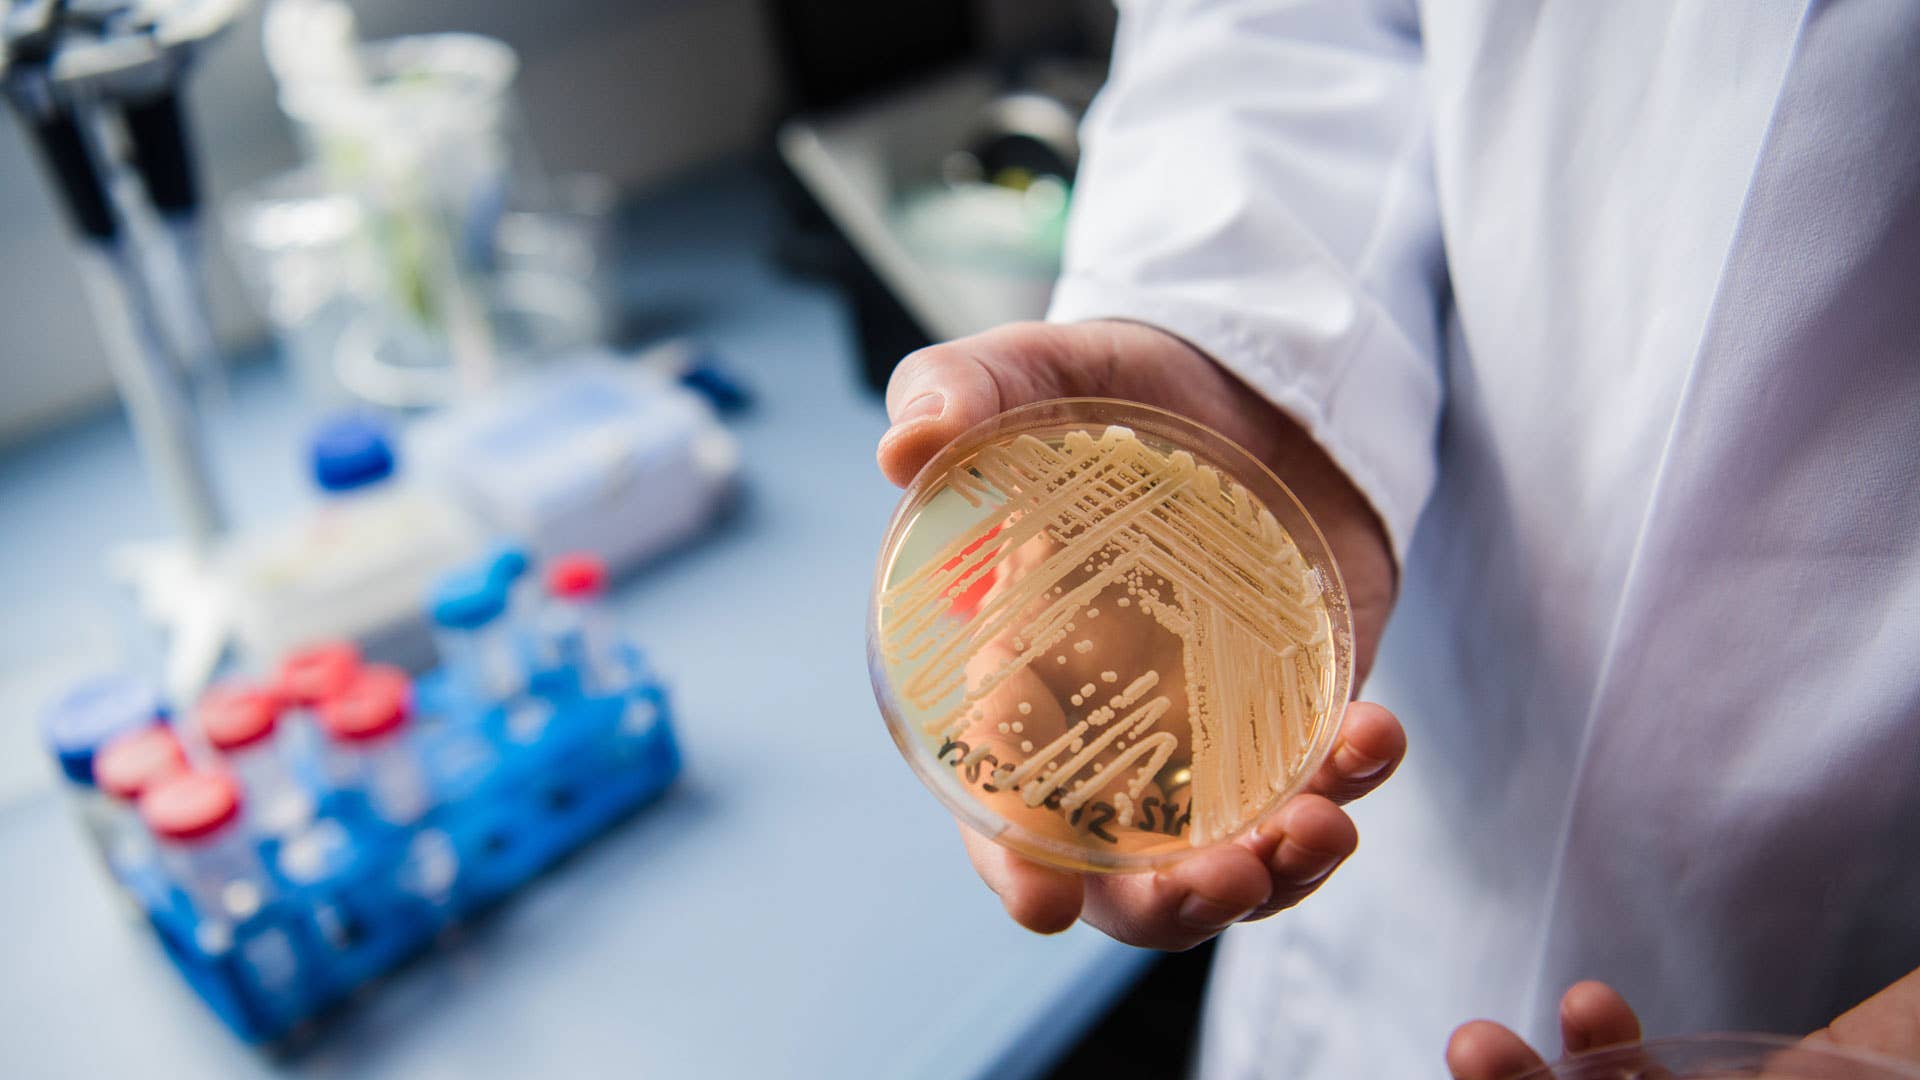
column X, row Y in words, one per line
column 297, row 245
column 417, row 130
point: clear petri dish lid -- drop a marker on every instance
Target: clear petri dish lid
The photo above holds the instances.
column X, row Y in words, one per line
column 1106, row 636
column 1725, row 1057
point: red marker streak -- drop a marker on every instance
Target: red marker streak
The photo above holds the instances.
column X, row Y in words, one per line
column 968, row 602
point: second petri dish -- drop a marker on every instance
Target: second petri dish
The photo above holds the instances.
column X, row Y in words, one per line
column 1106, row 636
column 1726, row 1057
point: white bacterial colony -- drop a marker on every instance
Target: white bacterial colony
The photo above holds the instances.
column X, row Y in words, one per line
column 1187, row 547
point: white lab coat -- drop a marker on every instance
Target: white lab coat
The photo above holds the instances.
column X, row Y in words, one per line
column 1620, row 303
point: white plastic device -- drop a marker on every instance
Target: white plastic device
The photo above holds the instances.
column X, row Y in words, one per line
column 590, row 455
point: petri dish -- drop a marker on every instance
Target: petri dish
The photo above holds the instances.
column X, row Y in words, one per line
column 1106, row 636
column 1726, row 1057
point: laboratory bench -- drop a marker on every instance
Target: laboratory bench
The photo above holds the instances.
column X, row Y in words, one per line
column 796, row 906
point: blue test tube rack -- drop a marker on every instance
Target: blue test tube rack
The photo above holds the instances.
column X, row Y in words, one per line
column 517, row 787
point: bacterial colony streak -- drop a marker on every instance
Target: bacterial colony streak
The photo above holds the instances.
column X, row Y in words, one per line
column 1114, row 511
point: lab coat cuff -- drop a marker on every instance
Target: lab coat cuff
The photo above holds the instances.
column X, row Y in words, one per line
column 1376, row 415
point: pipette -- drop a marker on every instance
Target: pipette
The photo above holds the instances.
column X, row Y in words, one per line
column 71, row 70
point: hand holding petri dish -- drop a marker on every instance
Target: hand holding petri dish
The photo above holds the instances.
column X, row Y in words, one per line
column 1107, row 636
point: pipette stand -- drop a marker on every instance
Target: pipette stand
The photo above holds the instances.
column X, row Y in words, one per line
column 97, row 85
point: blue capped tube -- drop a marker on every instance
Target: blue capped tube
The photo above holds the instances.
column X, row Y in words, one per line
column 476, row 642
column 78, row 726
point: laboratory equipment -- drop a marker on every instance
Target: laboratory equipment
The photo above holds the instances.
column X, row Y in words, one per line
column 317, row 269
column 243, row 726
column 507, row 566
column 98, row 87
column 78, row 726
column 137, row 760
column 592, row 456
column 456, row 252
column 942, row 202
column 413, row 131
column 205, row 847
column 482, row 655
column 579, row 632
column 365, row 725
column 1726, row 1057
column 410, row 832
column 1105, row 635
column 124, row 770
column 308, row 676
column 354, row 566
column 313, row 674
column 1000, row 204
column 299, row 246
column 551, row 286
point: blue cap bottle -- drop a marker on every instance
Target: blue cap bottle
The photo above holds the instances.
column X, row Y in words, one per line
column 469, row 600
column 88, row 716
column 506, row 563
column 351, row 451
column 476, row 645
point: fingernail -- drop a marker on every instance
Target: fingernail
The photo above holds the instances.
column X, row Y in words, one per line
column 925, row 407
column 1204, row 913
column 1302, row 866
column 1355, row 765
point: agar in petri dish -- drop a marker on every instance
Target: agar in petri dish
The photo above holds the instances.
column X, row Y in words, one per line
column 1106, row 636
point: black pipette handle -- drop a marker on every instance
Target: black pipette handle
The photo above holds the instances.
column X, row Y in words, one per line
column 82, row 187
column 157, row 129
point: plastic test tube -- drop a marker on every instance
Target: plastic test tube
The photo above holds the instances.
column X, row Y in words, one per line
column 124, row 770
column 309, row 678
column 242, row 724
column 476, row 643
column 366, row 729
column 78, row 726
column 578, row 626
column 195, row 817
column 507, row 566
column 306, row 678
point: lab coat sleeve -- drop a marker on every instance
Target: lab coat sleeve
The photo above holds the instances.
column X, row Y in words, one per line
column 1257, row 178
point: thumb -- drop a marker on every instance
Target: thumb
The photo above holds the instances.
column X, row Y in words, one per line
column 1593, row 1014
column 942, row 390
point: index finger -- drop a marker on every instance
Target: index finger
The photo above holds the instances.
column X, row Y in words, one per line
column 1483, row 1050
column 1369, row 747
